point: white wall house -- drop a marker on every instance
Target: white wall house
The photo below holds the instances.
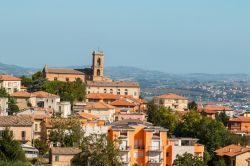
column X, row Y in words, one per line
column 63, row 109
column 3, row 106
column 10, row 83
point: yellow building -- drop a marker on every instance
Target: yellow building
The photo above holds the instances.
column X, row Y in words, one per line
column 173, row 101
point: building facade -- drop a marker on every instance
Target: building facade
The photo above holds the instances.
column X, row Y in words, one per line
column 4, row 106
column 10, row 83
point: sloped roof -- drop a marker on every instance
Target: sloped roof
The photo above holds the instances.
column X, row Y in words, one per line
column 65, row 151
column 122, row 102
column 231, row 150
column 98, row 105
column 9, row 121
column 240, row 119
column 112, row 84
column 217, row 108
column 5, row 77
column 171, row 96
column 63, row 71
column 43, row 94
column 21, row 94
column 88, row 116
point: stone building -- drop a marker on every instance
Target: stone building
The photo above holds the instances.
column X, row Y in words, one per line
column 94, row 78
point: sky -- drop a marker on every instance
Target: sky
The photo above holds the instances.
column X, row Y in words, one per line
column 177, row 36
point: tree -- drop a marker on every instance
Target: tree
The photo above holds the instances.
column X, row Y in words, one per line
column 162, row 116
column 68, row 132
column 10, row 150
column 3, row 92
column 13, row 108
column 103, row 152
column 37, row 82
column 26, row 81
column 41, row 146
column 192, row 105
column 37, row 76
column 222, row 117
column 188, row 159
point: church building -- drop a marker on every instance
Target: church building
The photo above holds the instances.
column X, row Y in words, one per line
column 94, row 78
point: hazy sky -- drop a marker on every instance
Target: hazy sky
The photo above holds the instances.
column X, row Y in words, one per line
column 210, row 36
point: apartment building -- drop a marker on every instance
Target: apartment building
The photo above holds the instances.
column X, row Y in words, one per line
column 179, row 146
column 239, row 125
column 10, row 83
column 141, row 142
column 173, row 101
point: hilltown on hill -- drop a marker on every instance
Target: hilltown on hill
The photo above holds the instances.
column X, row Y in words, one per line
column 115, row 109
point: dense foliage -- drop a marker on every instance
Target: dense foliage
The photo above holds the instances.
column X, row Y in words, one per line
column 13, row 108
column 3, row 92
column 41, row 146
column 188, row 159
column 103, row 152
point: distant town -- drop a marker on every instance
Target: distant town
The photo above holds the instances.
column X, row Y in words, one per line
column 66, row 116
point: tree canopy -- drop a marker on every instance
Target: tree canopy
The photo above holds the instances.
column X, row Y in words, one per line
column 188, row 159
column 13, row 108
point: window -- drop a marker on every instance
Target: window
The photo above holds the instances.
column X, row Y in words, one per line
column 135, row 93
column 55, row 78
column 111, row 91
column 98, row 72
column 105, row 90
column 126, row 92
column 36, row 127
column 118, row 91
column 56, row 158
column 89, row 111
column 67, row 79
column 23, row 135
column 99, row 61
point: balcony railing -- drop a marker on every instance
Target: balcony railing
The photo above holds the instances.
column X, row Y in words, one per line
column 155, row 148
column 124, row 148
column 139, row 147
column 155, row 161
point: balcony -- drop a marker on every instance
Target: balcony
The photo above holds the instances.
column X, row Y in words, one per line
column 139, row 147
column 155, row 161
column 155, row 148
column 125, row 161
column 124, row 148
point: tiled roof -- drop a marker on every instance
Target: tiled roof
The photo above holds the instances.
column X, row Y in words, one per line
column 88, row 116
column 65, row 151
column 98, row 105
column 231, row 150
column 8, row 121
column 171, row 96
column 122, row 102
column 4, row 77
column 43, row 94
column 112, row 84
column 217, row 108
column 102, row 96
column 21, row 94
column 240, row 119
column 63, row 71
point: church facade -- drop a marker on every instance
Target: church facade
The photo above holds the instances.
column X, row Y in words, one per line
column 94, row 78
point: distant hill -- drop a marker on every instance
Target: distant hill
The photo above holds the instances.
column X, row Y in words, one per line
column 148, row 77
column 15, row 70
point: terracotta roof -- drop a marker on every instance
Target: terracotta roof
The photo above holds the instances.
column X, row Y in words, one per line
column 217, row 108
column 88, row 116
column 65, row 151
column 98, row 105
column 112, row 84
column 21, row 94
column 4, row 77
column 171, row 96
column 43, row 94
column 231, row 150
column 102, row 96
column 8, row 121
column 122, row 102
column 240, row 119
column 63, row 71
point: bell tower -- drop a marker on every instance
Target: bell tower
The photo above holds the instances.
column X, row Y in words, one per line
column 98, row 65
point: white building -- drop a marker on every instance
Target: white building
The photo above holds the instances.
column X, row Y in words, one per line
column 97, row 130
column 3, row 106
column 63, row 109
column 10, row 83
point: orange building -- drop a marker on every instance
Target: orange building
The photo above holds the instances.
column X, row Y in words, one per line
column 239, row 125
column 141, row 142
column 213, row 110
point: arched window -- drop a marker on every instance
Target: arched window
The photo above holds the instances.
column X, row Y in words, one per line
column 98, row 72
column 99, row 61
